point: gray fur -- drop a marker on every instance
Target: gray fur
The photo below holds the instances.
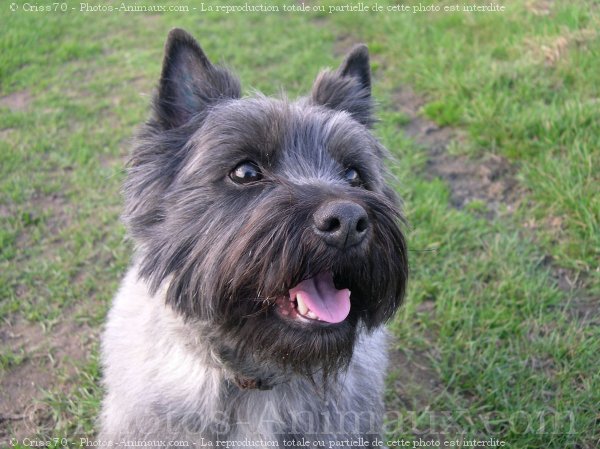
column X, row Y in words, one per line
column 194, row 349
column 164, row 383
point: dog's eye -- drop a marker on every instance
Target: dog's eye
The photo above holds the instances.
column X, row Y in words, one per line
column 352, row 177
column 245, row 173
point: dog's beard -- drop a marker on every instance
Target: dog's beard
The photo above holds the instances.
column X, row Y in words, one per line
column 244, row 282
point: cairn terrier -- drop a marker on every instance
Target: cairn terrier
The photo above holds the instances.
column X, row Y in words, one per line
column 268, row 255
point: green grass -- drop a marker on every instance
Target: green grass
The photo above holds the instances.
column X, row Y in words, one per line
column 490, row 74
column 512, row 359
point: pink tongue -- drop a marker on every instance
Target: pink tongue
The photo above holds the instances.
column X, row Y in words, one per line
column 320, row 295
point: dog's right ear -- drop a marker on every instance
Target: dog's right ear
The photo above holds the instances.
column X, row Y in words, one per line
column 189, row 83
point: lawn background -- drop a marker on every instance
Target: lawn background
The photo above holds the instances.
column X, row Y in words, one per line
column 499, row 336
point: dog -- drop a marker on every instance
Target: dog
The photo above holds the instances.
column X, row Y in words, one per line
column 269, row 253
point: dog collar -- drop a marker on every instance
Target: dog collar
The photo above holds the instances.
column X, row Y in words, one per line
column 249, row 383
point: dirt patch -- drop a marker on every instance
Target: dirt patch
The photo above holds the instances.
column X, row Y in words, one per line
column 540, row 7
column 51, row 358
column 413, row 386
column 55, row 212
column 152, row 19
column 414, row 381
column 5, row 211
column 343, row 44
column 490, row 179
column 581, row 306
column 17, row 101
column 21, row 411
column 425, row 132
column 113, row 162
column 7, row 134
column 143, row 85
column 551, row 50
column 584, row 310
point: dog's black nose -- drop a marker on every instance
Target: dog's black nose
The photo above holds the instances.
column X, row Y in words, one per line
column 341, row 223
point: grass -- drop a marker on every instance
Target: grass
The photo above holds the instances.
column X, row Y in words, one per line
column 511, row 357
column 521, row 85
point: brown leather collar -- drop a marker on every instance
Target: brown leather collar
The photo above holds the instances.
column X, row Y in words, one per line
column 248, row 383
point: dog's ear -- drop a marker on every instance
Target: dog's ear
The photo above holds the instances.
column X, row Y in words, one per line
column 349, row 87
column 189, row 83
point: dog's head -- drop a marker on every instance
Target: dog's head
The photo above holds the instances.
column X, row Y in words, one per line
column 270, row 220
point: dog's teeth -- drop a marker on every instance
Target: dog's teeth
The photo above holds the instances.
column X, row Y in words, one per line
column 310, row 314
column 302, row 308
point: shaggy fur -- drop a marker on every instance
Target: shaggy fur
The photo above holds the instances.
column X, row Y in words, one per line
column 196, row 348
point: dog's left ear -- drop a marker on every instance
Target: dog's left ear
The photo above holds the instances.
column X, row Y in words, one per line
column 349, row 87
column 189, row 82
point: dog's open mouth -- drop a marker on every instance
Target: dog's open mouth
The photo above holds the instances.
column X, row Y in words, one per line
column 316, row 299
